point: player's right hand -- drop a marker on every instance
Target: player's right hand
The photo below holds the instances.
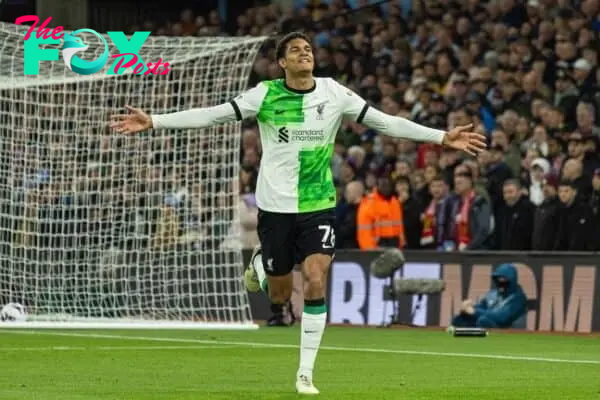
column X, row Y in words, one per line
column 133, row 122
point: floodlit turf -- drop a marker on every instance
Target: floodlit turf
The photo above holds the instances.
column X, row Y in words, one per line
column 353, row 364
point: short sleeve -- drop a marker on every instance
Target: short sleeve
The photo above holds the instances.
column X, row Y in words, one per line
column 355, row 107
column 247, row 103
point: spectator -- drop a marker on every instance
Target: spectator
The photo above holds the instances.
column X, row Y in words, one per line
column 575, row 230
column 526, row 76
column 188, row 25
column 513, row 98
column 472, row 216
column 471, row 167
column 566, row 95
column 502, row 307
column 418, row 183
column 380, row 220
column 555, row 155
column 407, row 151
column 251, row 158
column 538, row 141
column 449, row 160
column 573, row 172
column 545, row 220
column 540, row 167
column 347, row 216
column 512, row 155
column 585, row 117
column 496, row 172
column 458, row 91
column 357, row 157
column 436, row 217
column 513, row 13
column 584, row 76
column 387, row 161
column 479, row 106
column 579, row 149
column 402, row 169
column 411, row 213
column 514, row 221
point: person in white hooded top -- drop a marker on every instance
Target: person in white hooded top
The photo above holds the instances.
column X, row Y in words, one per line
column 540, row 167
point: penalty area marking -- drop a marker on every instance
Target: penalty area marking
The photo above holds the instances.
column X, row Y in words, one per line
column 219, row 343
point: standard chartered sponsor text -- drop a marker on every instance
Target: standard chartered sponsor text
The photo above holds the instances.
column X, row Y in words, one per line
column 308, row 135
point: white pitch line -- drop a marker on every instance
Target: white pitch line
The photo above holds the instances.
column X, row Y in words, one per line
column 110, row 348
column 292, row 346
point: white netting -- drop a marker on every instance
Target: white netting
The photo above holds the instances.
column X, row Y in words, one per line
column 97, row 226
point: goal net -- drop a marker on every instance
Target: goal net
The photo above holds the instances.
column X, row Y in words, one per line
column 103, row 230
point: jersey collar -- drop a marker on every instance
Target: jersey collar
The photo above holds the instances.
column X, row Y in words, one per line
column 305, row 91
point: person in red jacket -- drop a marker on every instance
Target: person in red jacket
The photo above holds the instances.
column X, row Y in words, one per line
column 379, row 220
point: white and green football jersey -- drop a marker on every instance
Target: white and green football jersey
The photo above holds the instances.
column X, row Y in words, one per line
column 298, row 130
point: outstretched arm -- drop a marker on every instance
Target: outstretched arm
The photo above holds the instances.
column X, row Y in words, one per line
column 400, row 127
column 458, row 138
column 245, row 105
column 197, row 117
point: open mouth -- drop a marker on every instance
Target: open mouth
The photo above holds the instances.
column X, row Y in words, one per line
column 304, row 60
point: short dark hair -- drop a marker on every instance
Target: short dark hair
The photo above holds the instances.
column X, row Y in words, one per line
column 402, row 179
column 569, row 183
column 439, row 177
column 466, row 174
column 514, row 182
column 283, row 43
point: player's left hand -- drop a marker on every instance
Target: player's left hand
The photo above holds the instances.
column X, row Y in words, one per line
column 460, row 138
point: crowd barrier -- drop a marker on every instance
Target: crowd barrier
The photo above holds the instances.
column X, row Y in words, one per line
column 562, row 289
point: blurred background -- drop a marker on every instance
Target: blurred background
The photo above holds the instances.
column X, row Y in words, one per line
column 523, row 73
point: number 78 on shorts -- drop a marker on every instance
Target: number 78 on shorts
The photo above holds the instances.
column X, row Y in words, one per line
column 128, row 56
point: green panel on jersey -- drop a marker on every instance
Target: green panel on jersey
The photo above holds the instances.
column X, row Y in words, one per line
column 280, row 106
column 315, row 180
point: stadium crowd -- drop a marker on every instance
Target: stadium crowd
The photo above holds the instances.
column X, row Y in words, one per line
column 526, row 75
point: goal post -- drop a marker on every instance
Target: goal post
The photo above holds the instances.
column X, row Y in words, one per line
column 100, row 230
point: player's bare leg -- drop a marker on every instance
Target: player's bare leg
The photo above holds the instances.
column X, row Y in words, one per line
column 280, row 292
column 315, row 270
column 280, row 288
column 256, row 280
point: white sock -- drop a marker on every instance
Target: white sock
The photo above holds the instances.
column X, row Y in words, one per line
column 313, row 326
column 260, row 272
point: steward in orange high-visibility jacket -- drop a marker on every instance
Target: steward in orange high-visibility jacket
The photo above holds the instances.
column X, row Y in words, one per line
column 380, row 220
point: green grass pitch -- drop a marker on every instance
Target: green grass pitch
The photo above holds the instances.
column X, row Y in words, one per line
column 354, row 363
